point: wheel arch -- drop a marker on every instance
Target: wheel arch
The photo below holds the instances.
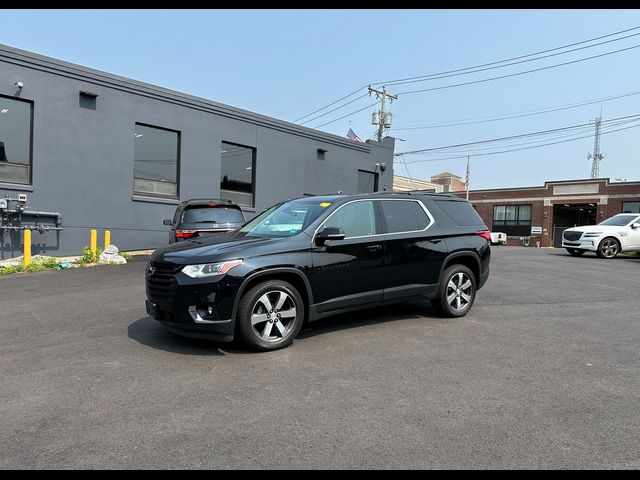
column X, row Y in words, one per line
column 288, row 274
column 468, row 259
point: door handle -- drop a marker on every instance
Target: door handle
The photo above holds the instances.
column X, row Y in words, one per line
column 374, row 248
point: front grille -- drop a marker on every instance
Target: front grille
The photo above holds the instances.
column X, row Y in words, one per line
column 572, row 236
column 161, row 285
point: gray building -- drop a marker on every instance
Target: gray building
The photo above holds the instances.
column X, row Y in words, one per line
column 107, row 152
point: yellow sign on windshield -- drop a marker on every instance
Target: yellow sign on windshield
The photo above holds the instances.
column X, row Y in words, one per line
column 325, row 204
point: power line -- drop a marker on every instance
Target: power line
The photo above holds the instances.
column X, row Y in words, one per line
column 518, row 73
column 437, row 77
column 327, row 106
column 461, row 70
column 505, row 60
column 333, row 110
column 519, row 149
column 518, row 142
column 347, row 115
column 511, row 136
column 508, row 116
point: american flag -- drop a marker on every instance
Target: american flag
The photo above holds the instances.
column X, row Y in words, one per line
column 353, row 136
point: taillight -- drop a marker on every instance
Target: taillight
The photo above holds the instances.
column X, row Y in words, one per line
column 186, row 233
column 486, row 234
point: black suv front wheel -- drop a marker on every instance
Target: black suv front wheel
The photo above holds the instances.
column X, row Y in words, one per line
column 456, row 293
column 270, row 315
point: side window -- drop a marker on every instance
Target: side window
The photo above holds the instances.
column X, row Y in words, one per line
column 404, row 216
column 357, row 219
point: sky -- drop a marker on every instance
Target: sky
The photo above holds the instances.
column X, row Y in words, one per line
column 289, row 63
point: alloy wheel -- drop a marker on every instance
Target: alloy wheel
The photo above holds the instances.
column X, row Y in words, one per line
column 273, row 316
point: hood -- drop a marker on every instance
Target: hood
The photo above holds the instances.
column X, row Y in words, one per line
column 221, row 247
column 596, row 228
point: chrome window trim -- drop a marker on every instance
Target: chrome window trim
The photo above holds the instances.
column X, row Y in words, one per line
column 431, row 220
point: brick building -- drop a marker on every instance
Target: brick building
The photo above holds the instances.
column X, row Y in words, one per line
column 529, row 215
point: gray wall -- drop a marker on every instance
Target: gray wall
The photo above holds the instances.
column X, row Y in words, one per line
column 83, row 159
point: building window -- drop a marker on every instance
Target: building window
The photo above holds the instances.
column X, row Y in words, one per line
column 512, row 219
column 236, row 174
column 16, row 120
column 321, row 154
column 630, row 207
column 156, row 161
column 367, row 182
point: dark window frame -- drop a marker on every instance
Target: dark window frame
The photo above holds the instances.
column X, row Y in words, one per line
column 31, row 125
column 178, row 163
column 631, row 201
column 519, row 222
column 254, row 154
column 376, row 180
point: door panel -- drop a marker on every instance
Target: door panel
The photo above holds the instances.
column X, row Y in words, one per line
column 413, row 259
column 349, row 272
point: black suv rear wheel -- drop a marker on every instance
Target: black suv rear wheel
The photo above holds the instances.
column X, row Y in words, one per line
column 456, row 293
column 270, row 315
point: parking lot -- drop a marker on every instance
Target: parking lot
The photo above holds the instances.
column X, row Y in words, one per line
column 543, row 373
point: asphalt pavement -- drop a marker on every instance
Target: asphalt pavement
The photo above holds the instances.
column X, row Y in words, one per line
column 543, row 373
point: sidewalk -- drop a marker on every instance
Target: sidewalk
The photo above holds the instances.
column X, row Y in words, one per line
column 70, row 259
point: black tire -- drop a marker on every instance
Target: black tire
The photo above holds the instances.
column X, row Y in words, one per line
column 448, row 298
column 608, row 248
column 575, row 252
column 263, row 327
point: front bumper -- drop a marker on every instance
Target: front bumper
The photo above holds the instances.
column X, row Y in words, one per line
column 582, row 244
column 189, row 321
column 200, row 307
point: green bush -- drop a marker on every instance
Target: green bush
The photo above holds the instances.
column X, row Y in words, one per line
column 38, row 264
column 125, row 255
column 88, row 256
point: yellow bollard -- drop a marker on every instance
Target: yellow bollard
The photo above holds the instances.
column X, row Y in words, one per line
column 94, row 241
column 27, row 247
column 107, row 239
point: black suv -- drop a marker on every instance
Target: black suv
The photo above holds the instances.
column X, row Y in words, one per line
column 203, row 217
column 312, row 257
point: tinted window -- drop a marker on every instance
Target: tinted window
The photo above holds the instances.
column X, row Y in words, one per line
column 403, row 216
column 460, row 212
column 155, row 164
column 212, row 215
column 357, row 219
column 15, row 140
column 236, row 174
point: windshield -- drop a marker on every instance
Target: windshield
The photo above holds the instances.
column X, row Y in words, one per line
column 619, row 220
column 284, row 220
column 212, row 215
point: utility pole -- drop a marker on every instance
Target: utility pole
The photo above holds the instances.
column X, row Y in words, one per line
column 466, row 179
column 596, row 155
column 382, row 118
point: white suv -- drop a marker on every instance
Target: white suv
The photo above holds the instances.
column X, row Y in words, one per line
column 619, row 233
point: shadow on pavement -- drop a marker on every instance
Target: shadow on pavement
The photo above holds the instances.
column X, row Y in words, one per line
column 147, row 331
column 371, row 316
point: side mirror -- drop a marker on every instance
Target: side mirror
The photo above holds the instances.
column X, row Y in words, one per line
column 167, row 222
column 635, row 225
column 329, row 233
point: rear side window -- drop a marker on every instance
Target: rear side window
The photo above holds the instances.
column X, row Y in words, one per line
column 205, row 214
column 404, row 216
column 461, row 213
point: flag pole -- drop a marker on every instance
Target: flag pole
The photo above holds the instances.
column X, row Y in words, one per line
column 467, row 178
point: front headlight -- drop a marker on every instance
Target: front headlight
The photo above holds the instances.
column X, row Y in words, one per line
column 210, row 269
